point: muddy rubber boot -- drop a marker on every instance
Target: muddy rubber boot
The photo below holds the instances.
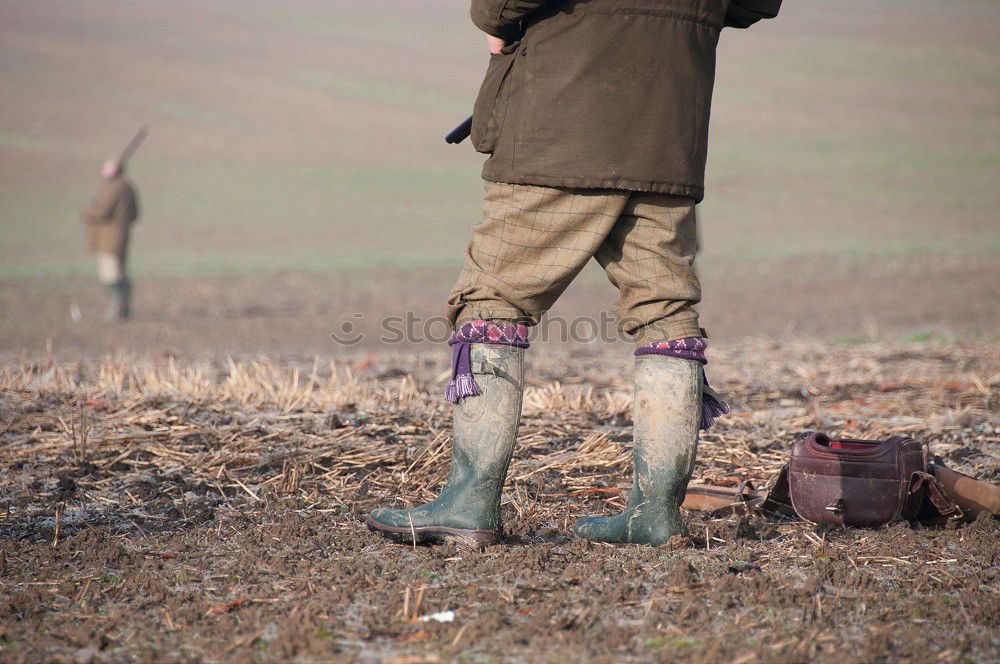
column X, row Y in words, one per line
column 485, row 429
column 119, row 293
column 667, row 413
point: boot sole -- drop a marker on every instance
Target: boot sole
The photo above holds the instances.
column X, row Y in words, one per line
column 433, row 533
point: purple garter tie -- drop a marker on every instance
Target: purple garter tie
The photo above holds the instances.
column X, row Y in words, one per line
column 462, row 383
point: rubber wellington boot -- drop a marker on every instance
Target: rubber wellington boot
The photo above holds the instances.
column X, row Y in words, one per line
column 667, row 413
column 485, row 429
column 119, row 293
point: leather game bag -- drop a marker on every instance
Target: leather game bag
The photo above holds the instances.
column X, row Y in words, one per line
column 841, row 481
column 856, row 483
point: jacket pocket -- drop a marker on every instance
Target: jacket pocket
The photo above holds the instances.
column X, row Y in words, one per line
column 491, row 102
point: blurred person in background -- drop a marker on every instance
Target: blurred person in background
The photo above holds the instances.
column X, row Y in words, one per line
column 108, row 219
column 595, row 116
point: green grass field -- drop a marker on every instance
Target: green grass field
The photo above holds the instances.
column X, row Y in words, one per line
column 309, row 136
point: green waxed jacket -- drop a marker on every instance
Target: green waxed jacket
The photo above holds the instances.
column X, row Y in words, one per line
column 601, row 94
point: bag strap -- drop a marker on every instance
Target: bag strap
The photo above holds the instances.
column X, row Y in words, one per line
column 720, row 501
column 709, row 498
column 942, row 503
column 974, row 496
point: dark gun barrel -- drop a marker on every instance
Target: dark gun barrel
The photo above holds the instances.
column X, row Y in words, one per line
column 133, row 145
column 461, row 132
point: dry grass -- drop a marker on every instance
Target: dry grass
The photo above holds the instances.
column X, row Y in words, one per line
column 260, row 431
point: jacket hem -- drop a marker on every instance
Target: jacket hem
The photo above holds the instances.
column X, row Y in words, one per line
column 677, row 189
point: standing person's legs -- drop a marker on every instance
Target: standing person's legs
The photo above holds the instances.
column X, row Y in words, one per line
column 649, row 256
column 531, row 244
column 111, row 273
column 109, row 268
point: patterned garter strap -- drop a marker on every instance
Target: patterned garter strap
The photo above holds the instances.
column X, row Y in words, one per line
column 688, row 348
column 462, row 383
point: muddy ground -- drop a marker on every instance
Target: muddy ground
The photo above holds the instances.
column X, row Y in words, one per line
column 155, row 510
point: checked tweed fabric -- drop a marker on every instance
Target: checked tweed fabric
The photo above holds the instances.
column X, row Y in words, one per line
column 534, row 240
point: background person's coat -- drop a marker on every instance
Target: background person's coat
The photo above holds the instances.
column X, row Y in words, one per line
column 109, row 217
column 601, row 94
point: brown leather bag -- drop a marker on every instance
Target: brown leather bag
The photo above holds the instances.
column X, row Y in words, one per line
column 841, row 481
column 830, row 469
